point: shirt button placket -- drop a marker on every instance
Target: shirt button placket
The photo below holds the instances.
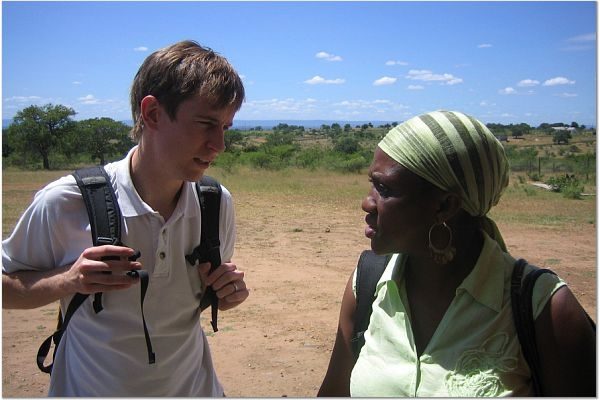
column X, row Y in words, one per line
column 162, row 254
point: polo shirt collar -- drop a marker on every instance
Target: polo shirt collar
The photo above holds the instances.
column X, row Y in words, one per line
column 132, row 204
column 486, row 281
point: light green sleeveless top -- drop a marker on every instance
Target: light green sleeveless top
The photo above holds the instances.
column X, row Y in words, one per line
column 474, row 352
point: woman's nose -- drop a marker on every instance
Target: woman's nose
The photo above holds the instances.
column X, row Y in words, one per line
column 368, row 204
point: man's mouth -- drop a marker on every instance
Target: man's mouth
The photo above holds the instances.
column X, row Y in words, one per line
column 204, row 163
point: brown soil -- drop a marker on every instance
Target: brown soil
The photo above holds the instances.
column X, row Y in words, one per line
column 297, row 260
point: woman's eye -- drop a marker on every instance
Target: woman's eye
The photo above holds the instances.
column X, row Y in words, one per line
column 381, row 189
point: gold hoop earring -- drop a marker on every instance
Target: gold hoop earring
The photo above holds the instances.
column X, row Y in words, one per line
column 445, row 255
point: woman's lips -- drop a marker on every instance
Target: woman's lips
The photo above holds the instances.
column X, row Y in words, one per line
column 370, row 229
column 370, row 232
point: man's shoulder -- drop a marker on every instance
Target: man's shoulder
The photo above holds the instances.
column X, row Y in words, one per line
column 63, row 187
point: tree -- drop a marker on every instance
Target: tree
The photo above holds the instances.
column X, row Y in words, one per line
column 6, row 147
column 233, row 136
column 347, row 145
column 39, row 130
column 561, row 137
column 519, row 129
column 101, row 137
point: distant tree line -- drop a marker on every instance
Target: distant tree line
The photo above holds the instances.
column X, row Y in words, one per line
column 47, row 137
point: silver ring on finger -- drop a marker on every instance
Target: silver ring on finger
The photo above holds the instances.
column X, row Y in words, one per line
column 235, row 288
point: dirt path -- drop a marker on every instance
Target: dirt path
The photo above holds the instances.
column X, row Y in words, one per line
column 297, row 259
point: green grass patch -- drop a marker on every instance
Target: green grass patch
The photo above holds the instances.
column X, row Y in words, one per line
column 323, row 189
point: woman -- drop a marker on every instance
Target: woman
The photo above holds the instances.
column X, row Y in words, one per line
column 442, row 323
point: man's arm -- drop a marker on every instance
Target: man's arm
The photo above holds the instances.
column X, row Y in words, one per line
column 32, row 289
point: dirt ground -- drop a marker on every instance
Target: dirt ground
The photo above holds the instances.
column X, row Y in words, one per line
column 297, row 261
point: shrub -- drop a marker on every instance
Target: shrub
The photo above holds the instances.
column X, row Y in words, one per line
column 566, row 184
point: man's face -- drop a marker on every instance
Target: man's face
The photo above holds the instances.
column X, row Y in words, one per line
column 190, row 142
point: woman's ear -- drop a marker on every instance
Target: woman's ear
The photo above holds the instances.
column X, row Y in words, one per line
column 450, row 204
column 150, row 109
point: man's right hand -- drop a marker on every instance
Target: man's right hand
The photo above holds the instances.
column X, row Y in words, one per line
column 102, row 269
column 89, row 274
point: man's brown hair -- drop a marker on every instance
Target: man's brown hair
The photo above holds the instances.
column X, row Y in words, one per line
column 176, row 73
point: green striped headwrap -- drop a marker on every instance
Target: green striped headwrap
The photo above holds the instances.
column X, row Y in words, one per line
column 456, row 153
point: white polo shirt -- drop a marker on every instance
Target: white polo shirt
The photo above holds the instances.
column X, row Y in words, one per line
column 105, row 354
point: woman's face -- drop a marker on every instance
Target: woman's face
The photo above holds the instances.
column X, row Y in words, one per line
column 400, row 207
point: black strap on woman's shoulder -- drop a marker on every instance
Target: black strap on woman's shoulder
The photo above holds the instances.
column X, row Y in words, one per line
column 522, row 298
column 522, row 305
column 369, row 269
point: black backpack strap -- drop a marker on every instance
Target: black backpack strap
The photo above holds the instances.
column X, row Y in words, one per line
column 369, row 269
column 61, row 326
column 521, row 292
column 105, row 223
column 103, row 210
column 209, row 197
column 101, row 204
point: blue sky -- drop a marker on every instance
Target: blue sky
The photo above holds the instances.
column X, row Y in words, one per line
column 505, row 62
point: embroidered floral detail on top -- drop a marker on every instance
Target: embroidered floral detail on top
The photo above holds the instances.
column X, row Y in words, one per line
column 476, row 370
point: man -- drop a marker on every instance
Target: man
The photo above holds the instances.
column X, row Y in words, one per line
column 183, row 99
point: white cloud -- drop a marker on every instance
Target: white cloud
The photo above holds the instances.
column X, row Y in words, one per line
column 310, row 108
column 415, row 87
column 427, row 76
column 528, row 82
column 140, row 48
column 484, row 46
column 559, row 80
column 22, row 99
column 288, row 106
column 317, row 80
column 375, row 105
column 385, row 80
column 76, row 82
column 329, row 57
column 580, row 43
column 567, row 94
column 88, row 99
column 588, row 37
column 394, row 62
column 507, row 90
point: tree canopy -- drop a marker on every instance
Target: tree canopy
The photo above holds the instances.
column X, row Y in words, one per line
column 39, row 129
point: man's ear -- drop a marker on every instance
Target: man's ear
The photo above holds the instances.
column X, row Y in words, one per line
column 150, row 110
column 450, row 204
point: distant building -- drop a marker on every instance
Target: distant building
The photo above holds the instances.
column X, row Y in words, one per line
column 564, row 128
